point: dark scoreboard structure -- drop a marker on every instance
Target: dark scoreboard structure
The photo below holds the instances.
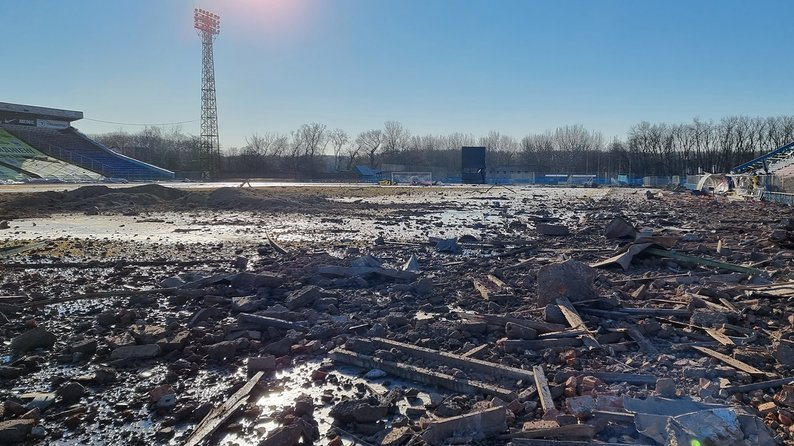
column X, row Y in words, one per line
column 472, row 165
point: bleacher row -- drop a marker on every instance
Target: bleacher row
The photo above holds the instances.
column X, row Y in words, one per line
column 68, row 155
column 19, row 162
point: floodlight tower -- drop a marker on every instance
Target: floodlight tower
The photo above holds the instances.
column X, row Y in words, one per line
column 208, row 26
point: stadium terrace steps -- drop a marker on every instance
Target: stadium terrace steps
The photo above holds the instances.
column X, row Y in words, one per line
column 28, row 163
column 73, row 147
column 774, row 160
column 9, row 174
column 50, row 168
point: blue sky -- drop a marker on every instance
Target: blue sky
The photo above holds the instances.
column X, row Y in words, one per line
column 438, row 66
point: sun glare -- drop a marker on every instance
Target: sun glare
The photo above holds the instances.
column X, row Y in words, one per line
column 271, row 18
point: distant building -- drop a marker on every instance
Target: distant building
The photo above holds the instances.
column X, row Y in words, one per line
column 472, row 165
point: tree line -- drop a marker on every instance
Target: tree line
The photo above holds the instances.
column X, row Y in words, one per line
column 314, row 150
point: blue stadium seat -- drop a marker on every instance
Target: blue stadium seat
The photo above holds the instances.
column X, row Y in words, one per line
column 72, row 146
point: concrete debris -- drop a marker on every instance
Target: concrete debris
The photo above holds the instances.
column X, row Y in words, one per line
column 367, row 261
column 447, row 245
column 35, row 338
column 571, row 279
column 715, row 426
column 473, row 426
column 71, row 392
column 686, row 422
column 665, row 387
column 550, row 229
column 300, row 432
column 302, row 297
column 130, row 352
column 397, row 436
column 619, row 228
column 503, row 335
column 359, row 411
column 375, row 374
column 15, row 431
column 412, row 264
column 783, row 352
column 261, row 364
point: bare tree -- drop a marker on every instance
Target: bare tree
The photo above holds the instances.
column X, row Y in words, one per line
column 338, row 139
column 294, row 149
column 256, row 145
column 353, row 151
column 370, row 141
column 648, row 149
column 280, row 145
column 314, row 138
column 394, row 137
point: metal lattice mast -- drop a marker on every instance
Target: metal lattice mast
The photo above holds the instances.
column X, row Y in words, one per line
column 208, row 26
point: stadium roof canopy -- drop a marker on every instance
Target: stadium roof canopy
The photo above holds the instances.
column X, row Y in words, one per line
column 19, row 111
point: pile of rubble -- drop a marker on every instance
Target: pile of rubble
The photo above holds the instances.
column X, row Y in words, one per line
column 630, row 321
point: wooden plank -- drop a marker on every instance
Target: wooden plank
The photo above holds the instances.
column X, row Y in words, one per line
column 540, row 326
column 675, row 312
column 570, row 313
column 420, row 374
column 614, row 417
column 720, row 337
column 784, row 289
column 608, row 377
column 576, row 322
column 516, row 331
column 645, row 345
column 476, row 352
column 760, row 385
column 453, row 360
column 611, row 337
column 544, row 394
column 520, row 345
column 543, row 442
column 264, row 321
column 482, row 289
column 497, row 281
column 735, row 363
column 20, row 249
column 701, row 301
column 628, row 313
column 520, row 264
column 562, row 334
column 276, row 247
column 701, row 261
column 652, row 278
column 219, row 415
column 730, row 305
column 567, row 431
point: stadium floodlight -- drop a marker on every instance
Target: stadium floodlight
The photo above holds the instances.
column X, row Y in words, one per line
column 208, row 26
column 206, row 21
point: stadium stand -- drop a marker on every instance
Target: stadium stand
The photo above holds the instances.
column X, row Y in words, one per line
column 20, row 162
column 8, row 175
column 50, row 131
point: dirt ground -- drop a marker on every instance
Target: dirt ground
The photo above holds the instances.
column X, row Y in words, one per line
column 377, row 315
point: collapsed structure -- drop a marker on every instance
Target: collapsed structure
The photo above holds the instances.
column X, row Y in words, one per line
column 534, row 317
